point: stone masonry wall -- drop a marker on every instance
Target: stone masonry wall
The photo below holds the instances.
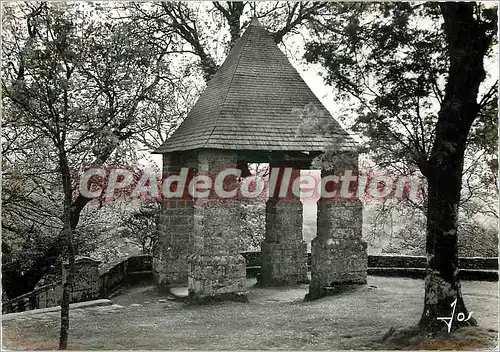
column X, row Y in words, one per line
column 86, row 285
column 175, row 227
column 86, row 280
column 338, row 253
column 215, row 265
column 284, row 252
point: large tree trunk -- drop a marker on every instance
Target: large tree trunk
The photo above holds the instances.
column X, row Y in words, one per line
column 232, row 14
column 442, row 286
column 467, row 44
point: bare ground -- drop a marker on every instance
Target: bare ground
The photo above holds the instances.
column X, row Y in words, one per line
column 379, row 315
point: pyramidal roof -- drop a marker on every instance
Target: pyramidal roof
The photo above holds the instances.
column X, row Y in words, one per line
column 253, row 102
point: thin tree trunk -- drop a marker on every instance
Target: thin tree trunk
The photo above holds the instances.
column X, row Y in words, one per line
column 17, row 283
column 67, row 289
column 68, row 231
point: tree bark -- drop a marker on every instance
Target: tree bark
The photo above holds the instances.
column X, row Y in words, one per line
column 17, row 283
column 67, row 288
column 68, row 279
column 233, row 17
column 442, row 286
column 467, row 42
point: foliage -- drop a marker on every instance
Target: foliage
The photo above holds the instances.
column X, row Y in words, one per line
column 392, row 58
column 74, row 92
column 417, row 70
column 252, row 228
column 203, row 27
column 140, row 225
column 397, row 228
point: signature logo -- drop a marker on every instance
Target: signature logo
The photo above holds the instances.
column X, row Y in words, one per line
column 449, row 320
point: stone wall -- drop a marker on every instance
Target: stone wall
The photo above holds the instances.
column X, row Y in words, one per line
column 175, row 228
column 198, row 237
column 338, row 254
column 112, row 276
column 86, row 286
column 49, row 297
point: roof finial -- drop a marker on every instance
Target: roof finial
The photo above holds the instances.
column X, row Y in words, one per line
column 254, row 9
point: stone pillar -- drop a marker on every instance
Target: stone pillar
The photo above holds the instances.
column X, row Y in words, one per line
column 284, row 252
column 215, row 266
column 86, row 280
column 338, row 253
column 175, row 228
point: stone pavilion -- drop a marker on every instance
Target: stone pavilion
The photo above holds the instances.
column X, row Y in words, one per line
column 253, row 111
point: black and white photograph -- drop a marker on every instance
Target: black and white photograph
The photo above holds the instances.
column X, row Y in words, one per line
column 249, row 175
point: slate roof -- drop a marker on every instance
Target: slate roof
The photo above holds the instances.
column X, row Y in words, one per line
column 250, row 104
